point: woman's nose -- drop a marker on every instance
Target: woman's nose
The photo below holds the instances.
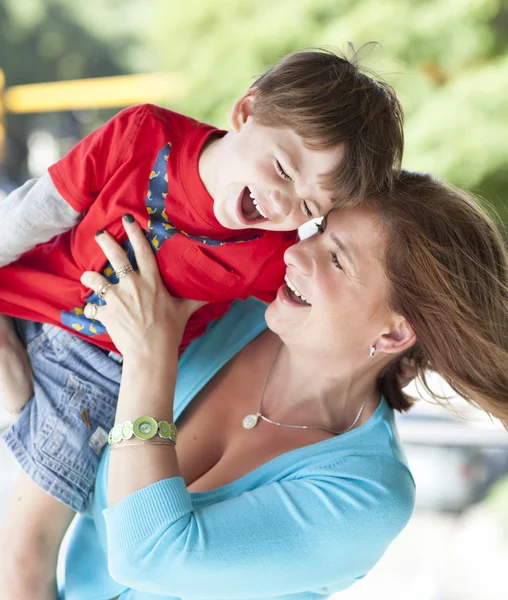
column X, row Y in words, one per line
column 300, row 256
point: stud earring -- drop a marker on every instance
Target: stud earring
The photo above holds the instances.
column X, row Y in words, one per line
column 372, row 350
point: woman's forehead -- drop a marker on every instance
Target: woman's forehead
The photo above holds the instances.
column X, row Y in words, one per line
column 357, row 230
column 353, row 221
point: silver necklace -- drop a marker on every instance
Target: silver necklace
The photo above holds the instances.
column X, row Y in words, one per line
column 250, row 421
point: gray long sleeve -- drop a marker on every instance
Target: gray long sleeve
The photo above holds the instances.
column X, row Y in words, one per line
column 32, row 214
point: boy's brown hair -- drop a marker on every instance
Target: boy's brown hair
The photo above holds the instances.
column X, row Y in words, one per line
column 327, row 101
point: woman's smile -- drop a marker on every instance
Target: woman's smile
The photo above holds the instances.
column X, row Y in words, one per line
column 288, row 297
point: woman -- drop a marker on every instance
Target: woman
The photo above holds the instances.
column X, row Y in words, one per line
column 272, row 508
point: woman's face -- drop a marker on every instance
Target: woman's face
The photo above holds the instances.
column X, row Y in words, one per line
column 339, row 273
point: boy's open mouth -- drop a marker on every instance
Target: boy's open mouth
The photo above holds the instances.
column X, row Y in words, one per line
column 250, row 210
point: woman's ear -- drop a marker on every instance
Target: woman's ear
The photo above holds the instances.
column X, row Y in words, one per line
column 400, row 337
column 242, row 110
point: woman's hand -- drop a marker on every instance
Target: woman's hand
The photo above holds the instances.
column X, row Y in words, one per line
column 140, row 315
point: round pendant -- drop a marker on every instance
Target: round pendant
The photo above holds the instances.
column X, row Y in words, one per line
column 250, row 421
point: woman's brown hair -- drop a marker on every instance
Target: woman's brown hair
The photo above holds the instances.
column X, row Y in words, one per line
column 447, row 265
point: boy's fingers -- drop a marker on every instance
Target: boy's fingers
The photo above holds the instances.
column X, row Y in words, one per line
column 145, row 258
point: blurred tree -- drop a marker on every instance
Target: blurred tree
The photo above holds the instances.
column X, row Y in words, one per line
column 50, row 41
column 447, row 59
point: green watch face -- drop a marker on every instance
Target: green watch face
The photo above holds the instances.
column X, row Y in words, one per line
column 110, row 437
column 145, row 428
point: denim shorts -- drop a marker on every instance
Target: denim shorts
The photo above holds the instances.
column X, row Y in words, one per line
column 61, row 433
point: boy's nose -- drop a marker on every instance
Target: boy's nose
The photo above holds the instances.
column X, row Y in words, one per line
column 281, row 204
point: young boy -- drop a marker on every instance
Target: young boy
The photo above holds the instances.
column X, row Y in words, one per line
column 219, row 209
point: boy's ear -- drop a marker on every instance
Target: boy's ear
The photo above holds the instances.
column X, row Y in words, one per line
column 400, row 337
column 242, row 109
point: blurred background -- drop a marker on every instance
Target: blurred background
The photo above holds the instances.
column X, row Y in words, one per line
column 448, row 61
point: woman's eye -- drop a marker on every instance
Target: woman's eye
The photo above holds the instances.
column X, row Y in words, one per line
column 336, row 262
column 306, row 210
column 281, row 172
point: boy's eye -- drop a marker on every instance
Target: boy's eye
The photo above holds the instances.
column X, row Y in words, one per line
column 306, row 210
column 281, row 172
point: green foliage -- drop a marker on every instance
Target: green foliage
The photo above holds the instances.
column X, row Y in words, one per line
column 44, row 41
column 447, row 59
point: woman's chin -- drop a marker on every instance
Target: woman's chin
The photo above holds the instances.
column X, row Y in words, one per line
column 278, row 319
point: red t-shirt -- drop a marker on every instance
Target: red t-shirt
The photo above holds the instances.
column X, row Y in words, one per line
column 144, row 161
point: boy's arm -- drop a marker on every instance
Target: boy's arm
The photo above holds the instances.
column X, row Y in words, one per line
column 45, row 207
column 32, row 214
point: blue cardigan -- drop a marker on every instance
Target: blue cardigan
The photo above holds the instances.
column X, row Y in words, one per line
column 304, row 525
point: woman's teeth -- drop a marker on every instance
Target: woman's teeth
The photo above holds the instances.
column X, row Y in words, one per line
column 293, row 289
column 258, row 208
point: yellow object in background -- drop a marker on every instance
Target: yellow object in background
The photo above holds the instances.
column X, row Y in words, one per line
column 80, row 94
column 97, row 92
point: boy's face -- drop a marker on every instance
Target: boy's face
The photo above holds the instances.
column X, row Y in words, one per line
column 265, row 178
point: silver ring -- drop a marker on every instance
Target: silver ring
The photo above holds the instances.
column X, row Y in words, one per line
column 103, row 289
column 95, row 309
column 124, row 271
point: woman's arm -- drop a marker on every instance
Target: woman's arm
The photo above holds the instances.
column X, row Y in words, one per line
column 146, row 324
column 320, row 532
column 147, row 388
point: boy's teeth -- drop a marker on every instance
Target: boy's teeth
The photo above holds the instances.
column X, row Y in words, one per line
column 258, row 207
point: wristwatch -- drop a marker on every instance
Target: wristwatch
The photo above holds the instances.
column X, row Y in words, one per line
column 143, row 428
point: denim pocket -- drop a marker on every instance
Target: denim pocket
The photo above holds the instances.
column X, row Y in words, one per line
column 63, row 442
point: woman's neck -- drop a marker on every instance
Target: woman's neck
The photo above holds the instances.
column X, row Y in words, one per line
column 315, row 390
